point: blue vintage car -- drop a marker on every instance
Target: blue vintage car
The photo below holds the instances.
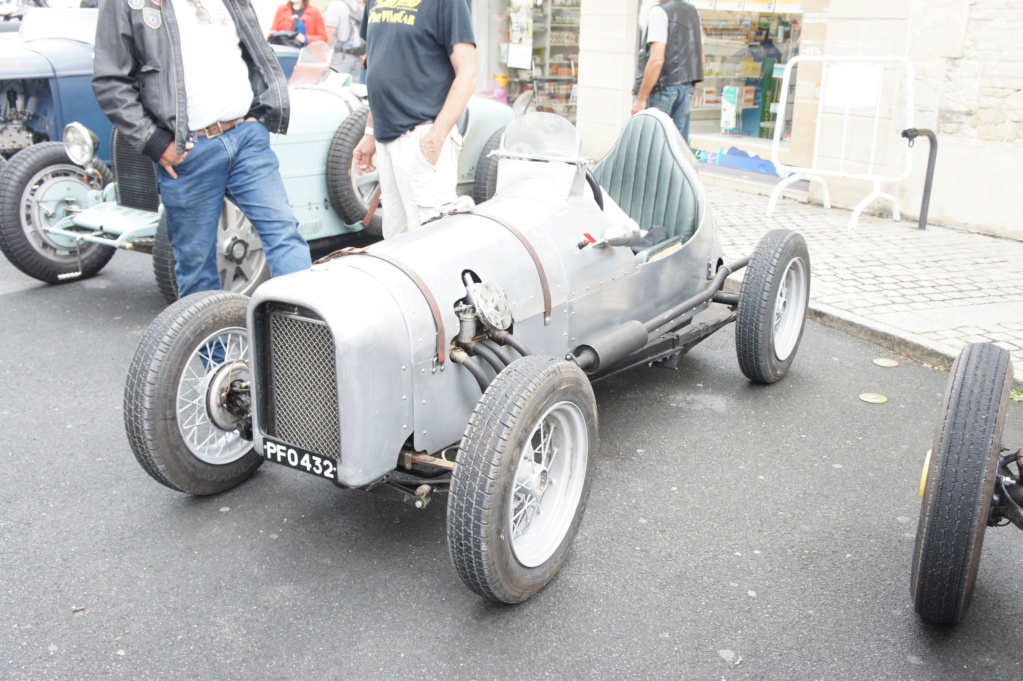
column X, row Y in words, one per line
column 46, row 79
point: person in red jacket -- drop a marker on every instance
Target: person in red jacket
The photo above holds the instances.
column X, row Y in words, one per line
column 302, row 17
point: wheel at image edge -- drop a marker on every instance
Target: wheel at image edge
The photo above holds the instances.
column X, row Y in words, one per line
column 34, row 177
column 959, row 483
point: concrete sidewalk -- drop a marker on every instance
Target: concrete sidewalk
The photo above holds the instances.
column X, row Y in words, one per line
column 923, row 294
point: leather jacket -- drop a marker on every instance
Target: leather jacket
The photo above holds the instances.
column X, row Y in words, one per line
column 138, row 75
column 683, row 55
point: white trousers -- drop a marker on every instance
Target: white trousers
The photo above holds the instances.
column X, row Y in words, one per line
column 411, row 190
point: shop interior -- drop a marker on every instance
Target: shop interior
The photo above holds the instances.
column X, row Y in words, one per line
column 534, row 60
column 735, row 108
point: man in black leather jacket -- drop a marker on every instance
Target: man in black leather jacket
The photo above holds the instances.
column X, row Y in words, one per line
column 193, row 85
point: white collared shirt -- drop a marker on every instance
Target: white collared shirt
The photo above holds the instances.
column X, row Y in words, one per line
column 217, row 84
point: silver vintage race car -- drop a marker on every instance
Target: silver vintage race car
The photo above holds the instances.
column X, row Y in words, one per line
column 458, row 358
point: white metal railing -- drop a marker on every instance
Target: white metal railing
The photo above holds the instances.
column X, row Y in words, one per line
column 846, row 84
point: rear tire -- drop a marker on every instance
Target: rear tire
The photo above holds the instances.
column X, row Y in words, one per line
column 352, row 194
column 39, row 186
column 485, row 183
column 241, row 261
column 960, row 483
column 167, row 411
column 772, row 306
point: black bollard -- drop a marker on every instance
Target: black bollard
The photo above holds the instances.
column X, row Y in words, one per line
column 911, row 134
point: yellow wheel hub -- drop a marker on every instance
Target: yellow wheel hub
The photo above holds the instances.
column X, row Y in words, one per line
column 923, row 476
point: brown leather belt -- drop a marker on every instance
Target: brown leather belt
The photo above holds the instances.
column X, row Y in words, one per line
column 544, row 287
column 218, row 128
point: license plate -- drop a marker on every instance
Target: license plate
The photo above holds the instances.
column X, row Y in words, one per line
column 299, row 459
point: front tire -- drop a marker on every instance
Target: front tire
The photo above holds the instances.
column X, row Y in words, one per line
column 523, row 475
column 241, row 260
column 40, row 186
column 170, row 415
column 773, row 300
column 960, row 483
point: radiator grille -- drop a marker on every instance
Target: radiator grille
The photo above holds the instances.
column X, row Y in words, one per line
column 135, row 175
column 302, row 383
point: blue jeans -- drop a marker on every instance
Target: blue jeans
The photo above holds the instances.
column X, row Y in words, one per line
column 677, row 102
column 240, row 166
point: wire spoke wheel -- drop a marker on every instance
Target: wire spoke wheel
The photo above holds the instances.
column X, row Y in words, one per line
column 545, row 492
column 196, row 402
column 522, row 477
column 175, row 412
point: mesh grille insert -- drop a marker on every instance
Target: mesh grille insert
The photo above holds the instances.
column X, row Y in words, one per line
column 135, row 175
column 303, row 384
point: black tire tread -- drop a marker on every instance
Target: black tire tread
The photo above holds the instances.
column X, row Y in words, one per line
column 960, row 483
column 340, row 185
column 485, row 181
column 144, row 419
column 14, row 244
column 754, row 323
column 472, row 503
column 164, row 262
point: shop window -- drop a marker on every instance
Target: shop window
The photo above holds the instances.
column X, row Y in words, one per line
column 536, row 61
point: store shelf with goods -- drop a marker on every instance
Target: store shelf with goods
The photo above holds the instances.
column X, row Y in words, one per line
column 540, row 51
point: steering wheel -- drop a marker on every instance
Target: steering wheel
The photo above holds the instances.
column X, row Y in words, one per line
column 598, row 194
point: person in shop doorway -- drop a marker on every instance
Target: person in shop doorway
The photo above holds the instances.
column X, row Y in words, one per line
column 421, row 71
column 670, row 61
column 343, row 19
column 206, row 129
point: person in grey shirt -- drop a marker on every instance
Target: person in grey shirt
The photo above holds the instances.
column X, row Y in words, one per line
column 342, row 19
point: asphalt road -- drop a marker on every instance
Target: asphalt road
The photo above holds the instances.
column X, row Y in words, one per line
column 733, row 532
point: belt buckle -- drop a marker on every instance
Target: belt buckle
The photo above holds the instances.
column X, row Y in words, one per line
column 211, row 135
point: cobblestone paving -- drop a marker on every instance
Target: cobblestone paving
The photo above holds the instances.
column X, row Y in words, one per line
column 937, row 288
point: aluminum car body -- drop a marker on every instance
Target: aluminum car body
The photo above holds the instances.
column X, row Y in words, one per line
column 392, row 385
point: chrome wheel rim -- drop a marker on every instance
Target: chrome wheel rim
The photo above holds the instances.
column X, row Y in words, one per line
column 203, row 438
column 548, row 484
column 241, row 260
column 789, row 308
column 51, row 195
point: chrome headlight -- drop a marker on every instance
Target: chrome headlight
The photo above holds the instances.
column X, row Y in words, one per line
column 493, row 306
column 80, row 143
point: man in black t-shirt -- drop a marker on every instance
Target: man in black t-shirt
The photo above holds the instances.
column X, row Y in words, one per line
column 421, row 71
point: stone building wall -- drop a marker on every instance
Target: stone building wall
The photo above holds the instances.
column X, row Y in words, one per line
column 968, row 61
column 982, row 89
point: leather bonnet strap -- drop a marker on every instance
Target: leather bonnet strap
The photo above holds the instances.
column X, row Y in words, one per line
column 416, row 279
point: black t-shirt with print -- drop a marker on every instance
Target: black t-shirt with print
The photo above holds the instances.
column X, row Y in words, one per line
column 408, row 59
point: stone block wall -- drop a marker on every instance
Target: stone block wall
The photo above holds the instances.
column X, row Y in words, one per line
column 968, row 90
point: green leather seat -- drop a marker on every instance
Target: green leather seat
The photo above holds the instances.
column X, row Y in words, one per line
column 646, row 175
